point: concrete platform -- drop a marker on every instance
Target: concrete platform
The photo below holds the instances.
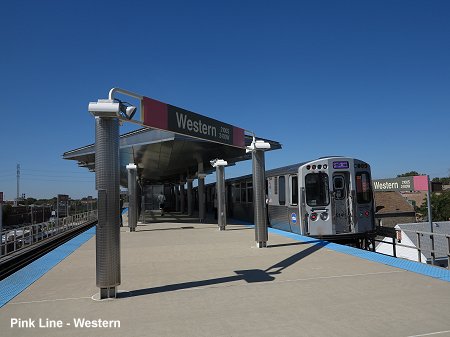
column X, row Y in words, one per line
column 190, row 279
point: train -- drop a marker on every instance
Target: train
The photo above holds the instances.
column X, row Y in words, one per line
column 330, row 198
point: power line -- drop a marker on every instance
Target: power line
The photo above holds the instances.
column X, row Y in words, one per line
column 59, row 180
column 56, row 171
column 48, row 175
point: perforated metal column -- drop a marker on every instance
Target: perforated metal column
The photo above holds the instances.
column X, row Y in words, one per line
column 182, row 197
column 201, row 198
column 132, row 197
column 259, row 198
column 190, row 204
column 107, row 185
column 201, row 191
column 220, row 186
column 177, row 198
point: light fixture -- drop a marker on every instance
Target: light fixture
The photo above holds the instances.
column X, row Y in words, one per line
column 126, row 109
column 218, row 162
column 104, row 108
column 258, row 145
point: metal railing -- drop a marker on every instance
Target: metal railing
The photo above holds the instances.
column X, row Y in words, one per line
column 420, row 236
column 13, row 240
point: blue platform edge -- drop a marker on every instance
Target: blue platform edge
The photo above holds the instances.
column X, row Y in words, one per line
column 412, row 266
column 14, row 284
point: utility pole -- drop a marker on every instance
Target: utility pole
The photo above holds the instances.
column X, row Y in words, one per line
column 16, row 203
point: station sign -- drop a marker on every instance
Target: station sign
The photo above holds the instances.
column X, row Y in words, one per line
column 401, row 184
column 164, row 116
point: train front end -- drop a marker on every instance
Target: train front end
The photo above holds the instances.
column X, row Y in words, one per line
column 336, row 199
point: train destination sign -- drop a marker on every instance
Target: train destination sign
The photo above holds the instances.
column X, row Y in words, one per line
column 164, row 116
column 413, row 183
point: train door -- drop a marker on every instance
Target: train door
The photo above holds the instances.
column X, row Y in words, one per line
column 342, row 202
column 315, row 202
column 293, row 213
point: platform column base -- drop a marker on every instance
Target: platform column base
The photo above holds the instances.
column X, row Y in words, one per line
column 108, row 293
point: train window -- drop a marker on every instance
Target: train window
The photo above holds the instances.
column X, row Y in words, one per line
column 249, row 191
column 363, row 190
column 282, row 189
column 236, row 193
column 340, row 192
column 275, row 186
column 317, row 189
column 294, row 190
column 338, row 183
column 243, row 192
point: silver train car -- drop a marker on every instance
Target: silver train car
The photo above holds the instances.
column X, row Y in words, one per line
column 329, row 198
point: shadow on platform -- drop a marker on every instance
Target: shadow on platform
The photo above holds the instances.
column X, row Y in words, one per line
column 249, row 276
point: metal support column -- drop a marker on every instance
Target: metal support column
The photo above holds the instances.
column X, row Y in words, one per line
column 221, row 209
column 107, row 185
column 259, row 192
column 220, row 164
column 201, row 192
column 190, row 204
column 177, row 198
column 430, row 220
column 132, row 197
column 201, row 197
column 182, row 197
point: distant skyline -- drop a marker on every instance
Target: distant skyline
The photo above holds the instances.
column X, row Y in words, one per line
column 368, row 79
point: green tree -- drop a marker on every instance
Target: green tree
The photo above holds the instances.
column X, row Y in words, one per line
column 440, row 205
column 409, row 174
column 30, row 201
column 444, row 181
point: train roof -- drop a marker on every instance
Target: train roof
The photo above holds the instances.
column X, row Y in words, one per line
column 277, row 171
column 293, row 168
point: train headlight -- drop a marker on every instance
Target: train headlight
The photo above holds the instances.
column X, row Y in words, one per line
column 313, row 216
column 324, row 216
column 367, row 213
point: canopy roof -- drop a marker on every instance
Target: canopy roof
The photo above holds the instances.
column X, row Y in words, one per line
column 165, row 157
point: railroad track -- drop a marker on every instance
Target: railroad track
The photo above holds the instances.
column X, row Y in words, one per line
column 11, row 263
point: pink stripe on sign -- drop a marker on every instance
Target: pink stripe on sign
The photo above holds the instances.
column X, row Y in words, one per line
column 238, row 137
column 420, row 183
column 155, row 113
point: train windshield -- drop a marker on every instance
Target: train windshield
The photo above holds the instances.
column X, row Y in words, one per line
column 363, row 190
column 317, row 189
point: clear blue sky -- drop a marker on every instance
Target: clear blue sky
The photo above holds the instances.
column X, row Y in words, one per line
column 369, row 79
